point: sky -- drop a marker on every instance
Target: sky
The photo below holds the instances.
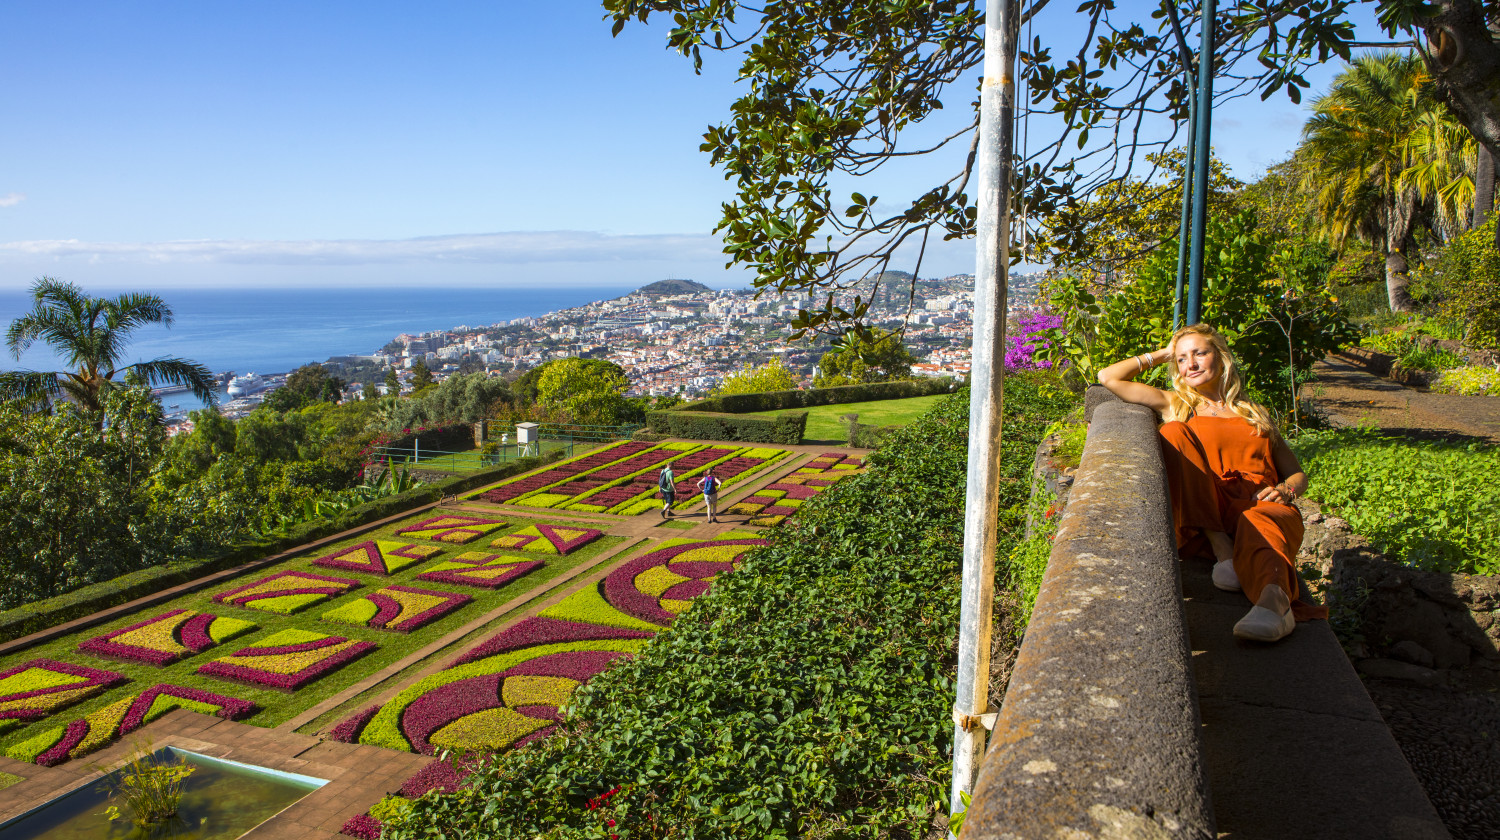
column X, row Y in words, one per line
column 153, row 145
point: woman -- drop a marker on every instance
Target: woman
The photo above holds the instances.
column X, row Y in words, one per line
column 710, row 487
column 1232, row 477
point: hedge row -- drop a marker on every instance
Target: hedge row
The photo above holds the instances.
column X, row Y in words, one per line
column 30, row 618
column 778, row 400
column 704, row 425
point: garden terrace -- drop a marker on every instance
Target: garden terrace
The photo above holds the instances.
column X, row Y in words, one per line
column 463, row 626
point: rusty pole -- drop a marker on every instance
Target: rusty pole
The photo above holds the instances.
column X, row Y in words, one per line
column 993, row 172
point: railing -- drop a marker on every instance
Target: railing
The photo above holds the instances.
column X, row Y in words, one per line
column 494, row 454
column 570, row 432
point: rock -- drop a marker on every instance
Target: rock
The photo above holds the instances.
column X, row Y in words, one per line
column 1390, row 669
column 1316, row 517
column 1334, row 523
column 1409, row 651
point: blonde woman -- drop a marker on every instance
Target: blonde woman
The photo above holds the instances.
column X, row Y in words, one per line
column 1232, row 477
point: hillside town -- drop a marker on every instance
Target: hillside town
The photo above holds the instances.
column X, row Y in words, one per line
column 679, row 337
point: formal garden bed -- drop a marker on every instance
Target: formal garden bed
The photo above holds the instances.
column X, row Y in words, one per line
column 622, row 478
column 775, row 502
column 277, row 641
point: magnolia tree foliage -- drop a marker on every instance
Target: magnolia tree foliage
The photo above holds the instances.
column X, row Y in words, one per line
column 589, row 390
column 836, row 89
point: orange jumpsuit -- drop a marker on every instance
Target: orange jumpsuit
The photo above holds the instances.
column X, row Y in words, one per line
column 1215, row 466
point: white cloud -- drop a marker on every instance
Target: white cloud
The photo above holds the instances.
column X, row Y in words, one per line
column 12, row 199
column 516, row 247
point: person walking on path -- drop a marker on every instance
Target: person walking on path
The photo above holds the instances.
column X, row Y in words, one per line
column 668, row 487
column 710, row 487
column 1231, row 476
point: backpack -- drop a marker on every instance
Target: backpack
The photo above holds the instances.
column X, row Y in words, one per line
column 710, row 485
column 664, row 482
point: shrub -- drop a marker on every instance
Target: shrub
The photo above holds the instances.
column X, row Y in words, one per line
column 780, row 400
column 704, row 425
column 807, row 694
column 1468, row 274
column 1469, row 381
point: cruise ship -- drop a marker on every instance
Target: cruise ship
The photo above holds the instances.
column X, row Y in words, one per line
column 242, row 386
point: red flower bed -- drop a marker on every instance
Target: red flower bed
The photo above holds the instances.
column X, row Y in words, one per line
column 537, row 481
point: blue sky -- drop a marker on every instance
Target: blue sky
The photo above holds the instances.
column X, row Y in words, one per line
column 168, row 144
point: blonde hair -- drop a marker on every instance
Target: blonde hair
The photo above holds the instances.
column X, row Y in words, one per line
column 1183, row 400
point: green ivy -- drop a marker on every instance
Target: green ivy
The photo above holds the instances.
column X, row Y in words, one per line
column 807, row 694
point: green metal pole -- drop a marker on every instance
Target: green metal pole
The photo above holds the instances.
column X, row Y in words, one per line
column 1186, row 56
column 1201, row 155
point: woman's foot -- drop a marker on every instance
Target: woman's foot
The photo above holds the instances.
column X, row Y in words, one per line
column 1224, row 576
column 1271, row 618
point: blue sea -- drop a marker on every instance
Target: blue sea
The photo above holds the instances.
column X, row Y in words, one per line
column 277, row 330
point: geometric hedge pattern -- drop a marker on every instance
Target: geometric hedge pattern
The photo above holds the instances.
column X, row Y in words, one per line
column 96, row 730
column 775, row 502
column 166, row 638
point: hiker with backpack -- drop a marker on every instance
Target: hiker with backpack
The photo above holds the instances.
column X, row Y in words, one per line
column 668, row 488
column 710, row 487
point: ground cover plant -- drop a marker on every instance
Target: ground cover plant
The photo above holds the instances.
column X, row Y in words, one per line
column 548, row 539
column 378, row 557
column 825, row 423
column 507, row 690
column 451, row 528
column 1433, row 506
column 104, row 725
column 773, row 503
column 166, row 638
column 808, row 694
column 79, row 680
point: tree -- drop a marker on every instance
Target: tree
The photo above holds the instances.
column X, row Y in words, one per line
column 369, row 394
column 90, row 334
column 74, row 502
column 421, row 377
column 1357, row 153
column 771, row 376
column 882, row 358
column 392, row 383
column 591, row 390
column 836, row 89
column 308, row 384
column 464, row 399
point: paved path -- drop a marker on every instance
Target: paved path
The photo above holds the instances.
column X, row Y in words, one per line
column 1350, row 395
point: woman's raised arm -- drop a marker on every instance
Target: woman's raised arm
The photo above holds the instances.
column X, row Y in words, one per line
column 1119, row 379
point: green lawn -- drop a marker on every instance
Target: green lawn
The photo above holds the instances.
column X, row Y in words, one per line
column 824, row 425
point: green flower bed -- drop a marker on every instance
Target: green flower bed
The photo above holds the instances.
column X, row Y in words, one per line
column 1433, row 506
column 808, row 694
column 1469, row 381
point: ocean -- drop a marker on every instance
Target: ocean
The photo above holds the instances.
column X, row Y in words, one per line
column 277, row 330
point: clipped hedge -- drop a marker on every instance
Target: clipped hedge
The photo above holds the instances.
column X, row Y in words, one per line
column 29, row 618
column 778, row 400
column 705, row 425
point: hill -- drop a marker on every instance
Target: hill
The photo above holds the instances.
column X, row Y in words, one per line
column 672, row 287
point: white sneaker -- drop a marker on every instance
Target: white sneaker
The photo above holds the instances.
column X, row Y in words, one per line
column 1224, row 576
column 1266, row 624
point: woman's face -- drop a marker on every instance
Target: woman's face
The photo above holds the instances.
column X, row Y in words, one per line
column 1197, row 361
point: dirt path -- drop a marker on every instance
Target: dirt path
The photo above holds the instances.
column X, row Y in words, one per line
column 1350, row 396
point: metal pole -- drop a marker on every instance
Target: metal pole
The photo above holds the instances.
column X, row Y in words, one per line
column 1201, row 155
column 1186, row 57
column 993, row 173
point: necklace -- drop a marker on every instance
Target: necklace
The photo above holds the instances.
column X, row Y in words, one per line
column 1214, row 409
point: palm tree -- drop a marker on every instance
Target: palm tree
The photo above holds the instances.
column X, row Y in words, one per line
column 1355, row 148
column 90, row 334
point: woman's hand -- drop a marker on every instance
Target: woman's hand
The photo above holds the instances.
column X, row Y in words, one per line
column 1282, row 493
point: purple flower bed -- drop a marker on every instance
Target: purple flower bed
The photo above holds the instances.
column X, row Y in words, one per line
column 522, row 486
column 292, row 681
column 347, row 731
column 229, row 708
column 619, row 586
column 476, row 576
column 390, row 609
column 45, row 701
column 544, row 631
column 363, row 826
column 334, row 586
